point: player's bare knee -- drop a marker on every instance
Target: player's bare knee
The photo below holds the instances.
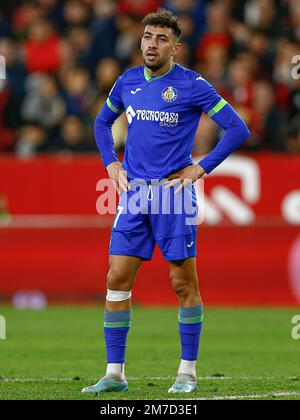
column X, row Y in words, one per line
column 181, row 287
column 116, row 280
column 184, row 286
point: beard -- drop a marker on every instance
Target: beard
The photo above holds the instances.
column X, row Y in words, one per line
column 154, row 67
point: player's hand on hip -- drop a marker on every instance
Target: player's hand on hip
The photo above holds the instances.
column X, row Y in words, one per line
column 185, row 176
column 118, row 176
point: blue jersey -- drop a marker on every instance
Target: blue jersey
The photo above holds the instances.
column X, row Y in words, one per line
column 163, row 115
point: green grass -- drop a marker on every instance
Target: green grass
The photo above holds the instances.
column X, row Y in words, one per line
column 54, row 353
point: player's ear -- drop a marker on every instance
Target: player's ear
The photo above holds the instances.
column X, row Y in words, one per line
column 176, row 49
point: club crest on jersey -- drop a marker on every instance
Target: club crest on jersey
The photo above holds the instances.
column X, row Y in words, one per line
column 169, row 94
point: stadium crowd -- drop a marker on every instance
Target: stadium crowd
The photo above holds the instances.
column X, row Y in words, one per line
column 63, row 57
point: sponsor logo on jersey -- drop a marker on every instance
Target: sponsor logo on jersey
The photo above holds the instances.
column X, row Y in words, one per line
column 169, row 94
column 165, row 119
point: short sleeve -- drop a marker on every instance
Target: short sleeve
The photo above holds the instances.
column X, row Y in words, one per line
column 205, row 98
column 114, row 100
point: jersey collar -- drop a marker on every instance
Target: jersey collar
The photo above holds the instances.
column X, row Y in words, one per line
column 152, row 78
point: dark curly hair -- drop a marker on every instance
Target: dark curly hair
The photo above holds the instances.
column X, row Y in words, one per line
column 164, row 18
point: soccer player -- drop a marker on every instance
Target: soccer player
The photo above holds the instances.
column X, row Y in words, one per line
column 163, row 102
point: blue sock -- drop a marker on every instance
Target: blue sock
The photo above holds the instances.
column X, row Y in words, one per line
column 116, row 327
column 190, row 325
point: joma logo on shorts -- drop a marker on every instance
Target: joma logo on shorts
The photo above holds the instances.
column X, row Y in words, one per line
column 167, row 119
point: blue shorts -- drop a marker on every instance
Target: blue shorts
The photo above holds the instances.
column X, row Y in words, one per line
column 149, row 214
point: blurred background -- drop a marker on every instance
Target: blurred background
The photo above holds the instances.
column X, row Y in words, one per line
column 62, row 58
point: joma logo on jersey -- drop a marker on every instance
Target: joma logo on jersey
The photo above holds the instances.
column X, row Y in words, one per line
column 165, row 119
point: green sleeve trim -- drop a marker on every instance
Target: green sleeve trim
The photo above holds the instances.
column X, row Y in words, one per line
column 124, row 324
column 190, row 320
column 113, row 108
column 217, row 108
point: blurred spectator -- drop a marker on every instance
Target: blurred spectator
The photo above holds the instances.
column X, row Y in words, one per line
column 189, row 32
column 24, row 17
column 130, row 35
column 43, row 103
column 138, row 7
column 217, row 32
column 214, row 66
column 42, row 49
column 104, row 32
column 76, row 92
column 73, row 136
column 15, row 70
column 7, row 133
column 52, row 10
column 264, row 51
column 196, row 9
column 240, row 81
column 76, row 13
column 271, row 123
column 136, row 58
column 262, row 14
column 295, row 18
column 294, row 103
column 79, row 42
column 68, row 56
column 185, row 55
column 32, row 139
column 5, row 29
column 11, row 94
column 293, row 136
column 183, row 6
column 108, row 71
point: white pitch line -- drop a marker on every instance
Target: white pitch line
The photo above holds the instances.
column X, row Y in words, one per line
column 248, row 397
column 220, row 378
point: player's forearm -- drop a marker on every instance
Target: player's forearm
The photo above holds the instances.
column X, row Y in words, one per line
column 236, row 133
column 103, row 135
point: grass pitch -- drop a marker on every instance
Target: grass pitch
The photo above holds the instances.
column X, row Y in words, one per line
column 244, row 353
